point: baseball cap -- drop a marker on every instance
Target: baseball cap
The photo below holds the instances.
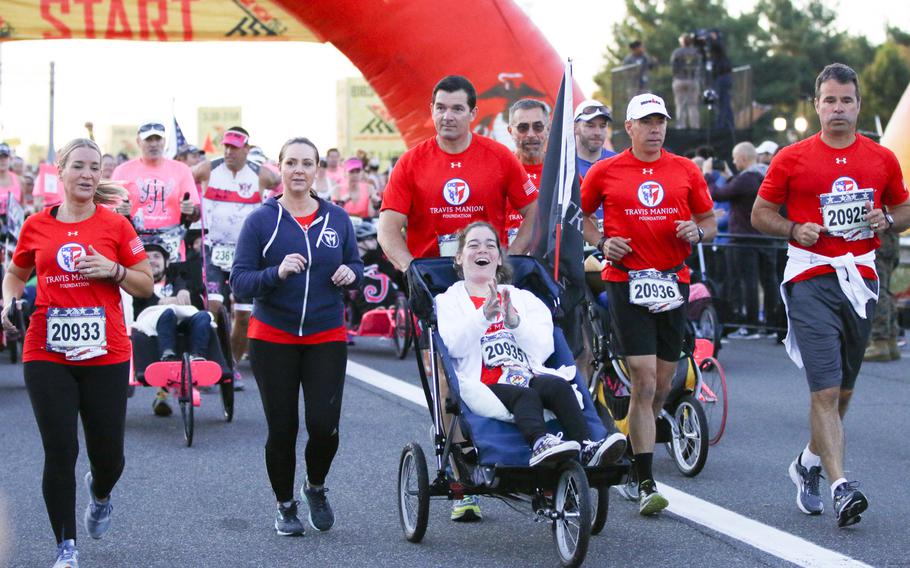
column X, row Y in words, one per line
column 767, row 147
column 352, row 164
column 590, row 108
column 151, row 128
column 644, row 104
column 154, row 242
column 188, row 149
column 235, row 138
column 4, row 149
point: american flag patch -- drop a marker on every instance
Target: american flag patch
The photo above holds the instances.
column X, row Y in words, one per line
column 529, row 187
column 136, row 245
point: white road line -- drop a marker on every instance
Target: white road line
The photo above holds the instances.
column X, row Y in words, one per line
column 768, row 539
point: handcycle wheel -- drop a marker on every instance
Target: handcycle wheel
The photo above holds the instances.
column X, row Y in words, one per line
column 689, row 445
column 403, row 332
column 224, row 341
column 185, row 398
column 709, row 327
column 572, row 502
column 413, row 492
column 713, row 397
column 600, row 505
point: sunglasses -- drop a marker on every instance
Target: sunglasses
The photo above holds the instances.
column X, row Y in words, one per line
column 523, row 127
column 594, row 109
column 150, row 126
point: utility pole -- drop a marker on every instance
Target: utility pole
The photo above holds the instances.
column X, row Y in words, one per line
column 51, row 153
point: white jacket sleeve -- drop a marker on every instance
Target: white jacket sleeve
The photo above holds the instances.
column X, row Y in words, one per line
column 535, row 330
column 460, row 330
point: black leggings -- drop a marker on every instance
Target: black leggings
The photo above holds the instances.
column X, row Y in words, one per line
column 280, row 372
column 60, row 394
column 527, row 403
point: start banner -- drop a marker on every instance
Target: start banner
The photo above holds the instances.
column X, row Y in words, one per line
column 149, row 20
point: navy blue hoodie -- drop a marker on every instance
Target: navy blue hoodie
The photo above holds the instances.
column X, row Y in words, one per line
column 304, row 303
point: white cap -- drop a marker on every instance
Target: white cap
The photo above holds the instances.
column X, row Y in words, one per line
column 151, row 128
column 594, row 109
column 767, row 147
column 647, row 103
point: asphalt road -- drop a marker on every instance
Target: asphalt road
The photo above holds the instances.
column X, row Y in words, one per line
column 211, row 505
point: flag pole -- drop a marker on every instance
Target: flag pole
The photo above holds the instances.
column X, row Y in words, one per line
column 562, row 179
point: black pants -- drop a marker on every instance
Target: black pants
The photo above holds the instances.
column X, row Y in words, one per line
column 527, row 403
column 749, row 266
column 281, row 370
column 60, row 394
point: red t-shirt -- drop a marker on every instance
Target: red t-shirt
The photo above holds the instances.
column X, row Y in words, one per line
column 489, row 375
column 52, row 247
column 441, row 193
column 513, row 217
column 307, row 220
column 265, row 332
column 642, row 201
column 801, row 172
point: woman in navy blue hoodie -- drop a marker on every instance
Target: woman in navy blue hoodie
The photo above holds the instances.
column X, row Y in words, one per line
column 295, row 256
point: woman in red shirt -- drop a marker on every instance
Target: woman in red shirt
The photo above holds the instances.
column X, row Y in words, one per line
column 76, row 351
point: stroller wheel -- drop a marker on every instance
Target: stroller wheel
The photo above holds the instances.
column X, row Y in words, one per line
column 572, row 502
column 413, row 492
column 689, row 444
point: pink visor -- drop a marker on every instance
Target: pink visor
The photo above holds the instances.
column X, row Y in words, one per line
column 234, row 138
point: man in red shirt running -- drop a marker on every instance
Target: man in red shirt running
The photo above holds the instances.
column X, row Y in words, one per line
column 448, row 181
column 840, row 190
column 656, row 206
column 529, row 125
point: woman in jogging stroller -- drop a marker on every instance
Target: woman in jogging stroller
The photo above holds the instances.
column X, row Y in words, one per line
column 506, row 379
column 504, row 337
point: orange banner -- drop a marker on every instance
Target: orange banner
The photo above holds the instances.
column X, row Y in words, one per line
column 149, row 20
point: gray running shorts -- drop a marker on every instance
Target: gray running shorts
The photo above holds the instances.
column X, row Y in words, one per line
column 831, row 336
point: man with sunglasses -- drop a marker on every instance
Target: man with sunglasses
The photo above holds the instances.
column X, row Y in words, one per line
column 529, row 125
column 233, row 188
column 162, row 193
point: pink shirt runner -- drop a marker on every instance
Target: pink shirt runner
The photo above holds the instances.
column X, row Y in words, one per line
column 5, row 191
column 156, row 191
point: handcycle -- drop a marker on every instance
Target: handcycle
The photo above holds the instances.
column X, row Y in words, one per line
column 184, row 376
column 475, row 455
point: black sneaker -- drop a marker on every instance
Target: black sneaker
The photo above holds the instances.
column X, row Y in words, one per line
column 650, row 502
column 321, row 516
column 287, row 523
column 849, row 502
column 168, row 355
column 808, row 496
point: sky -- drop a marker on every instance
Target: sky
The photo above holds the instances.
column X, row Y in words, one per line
column 109, row 82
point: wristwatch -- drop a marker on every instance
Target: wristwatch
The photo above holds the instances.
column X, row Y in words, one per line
column 888, row 216
column 600, row 243
column 701, row 234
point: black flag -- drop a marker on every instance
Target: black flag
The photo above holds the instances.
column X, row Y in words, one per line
column 558, row 241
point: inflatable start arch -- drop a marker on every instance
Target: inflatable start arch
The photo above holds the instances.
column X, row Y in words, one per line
column 402, row 47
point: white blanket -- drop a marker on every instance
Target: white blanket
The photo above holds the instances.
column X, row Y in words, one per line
column 147, row 321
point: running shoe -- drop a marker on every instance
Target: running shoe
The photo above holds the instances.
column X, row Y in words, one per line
column 97, row 514
column 743, row 333
column 238, row 381
column 466, row 510
column 321, row 516
column 67, row 555
column 849, row 503
column 605, row 450
column 160, row 406
column 287, row 523
column 650, row 502
column 552, row 448
column 808, row 497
